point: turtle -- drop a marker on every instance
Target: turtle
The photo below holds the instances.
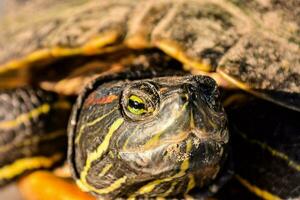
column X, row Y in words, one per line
column 147, row 120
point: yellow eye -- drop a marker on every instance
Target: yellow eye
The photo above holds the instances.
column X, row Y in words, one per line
column 136, row 105
column 140, row 101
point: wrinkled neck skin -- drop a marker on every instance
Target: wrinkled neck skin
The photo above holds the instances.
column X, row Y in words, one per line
column 181, row 143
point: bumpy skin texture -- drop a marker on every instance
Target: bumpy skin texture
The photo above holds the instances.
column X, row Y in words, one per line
column 265, row 148
column 180, row 144
column 32, row 131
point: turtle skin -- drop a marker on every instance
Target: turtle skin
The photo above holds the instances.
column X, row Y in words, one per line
column 124, row 161
column 147, row 156
column 265, row 148
column 30, row 130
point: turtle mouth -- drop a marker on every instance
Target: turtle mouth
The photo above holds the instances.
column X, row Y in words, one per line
column 157, row 160
column 200, row 136
column 203, row 136
column 200, row 141
column 166, row 156
column 173, row 140
column 191, row 138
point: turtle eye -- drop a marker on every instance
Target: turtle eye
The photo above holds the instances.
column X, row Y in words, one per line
column 136, row 105
column 140, row 101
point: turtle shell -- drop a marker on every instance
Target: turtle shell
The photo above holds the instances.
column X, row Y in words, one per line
column 254, row 45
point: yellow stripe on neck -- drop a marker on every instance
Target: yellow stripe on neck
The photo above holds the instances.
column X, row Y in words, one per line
column 105, row 170
column 191, row 183
column 115, row 185
column 34, row 140
column 169, row 191
column 151, row 186
column 88, row 124
column 42, row 109
column 256, row 190
column 155, row 140
column 23, row 164
column 293, row 164
column 97, row 154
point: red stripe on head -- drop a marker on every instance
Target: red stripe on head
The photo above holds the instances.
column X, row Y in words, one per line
column 91, row 100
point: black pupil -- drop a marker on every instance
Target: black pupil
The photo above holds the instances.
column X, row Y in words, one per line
column 136, row 105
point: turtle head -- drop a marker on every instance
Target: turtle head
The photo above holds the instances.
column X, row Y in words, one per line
column 149, row 137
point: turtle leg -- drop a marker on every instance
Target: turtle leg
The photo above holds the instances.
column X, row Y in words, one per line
column 43, row 185
column 32, row 131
